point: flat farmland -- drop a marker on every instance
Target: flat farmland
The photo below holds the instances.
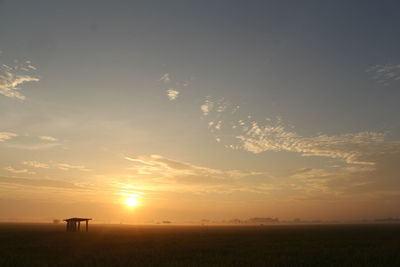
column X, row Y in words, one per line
column 276, row 245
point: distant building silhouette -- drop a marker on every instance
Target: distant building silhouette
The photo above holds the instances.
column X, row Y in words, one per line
column 74, row 224
column 263, row 220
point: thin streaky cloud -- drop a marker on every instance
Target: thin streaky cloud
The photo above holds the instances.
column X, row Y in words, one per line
column 165, row 78
column 48, row 138
column 38, row 182
column 36, row 164
column 356, row 148
column 206, row 107
column 6, row 136
column 273, row 135
column 172, row 94
column 14, row 170
column 168, row 174
column 10, row 80
column 39, row 146
column 67, row 167
column 385, row 74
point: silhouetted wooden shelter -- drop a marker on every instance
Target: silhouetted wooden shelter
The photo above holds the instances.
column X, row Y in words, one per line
column 74, row 224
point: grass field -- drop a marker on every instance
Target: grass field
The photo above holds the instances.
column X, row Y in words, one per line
column 317, row 245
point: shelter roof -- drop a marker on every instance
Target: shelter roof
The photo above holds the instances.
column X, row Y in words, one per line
column 77, row 219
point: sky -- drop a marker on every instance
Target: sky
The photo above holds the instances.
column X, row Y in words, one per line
column 143, row 111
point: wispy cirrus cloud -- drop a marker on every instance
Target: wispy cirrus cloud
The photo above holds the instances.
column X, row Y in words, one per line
column 162, row 163
column 219, row 107
column 60, row 166
column 206, row 107
column 244, row 133
column 172, row 94
column 385, row 74
column 30, row 142
column 67, row 167
column 160, row 173
column 11, row 78
column 37, row 182
column 6, row 136
column 363, row 181
column 357, row 148
column 33, row 146
column 14, row 170
column 175, row 86
column 165, row 78
column 36, row 164
column 48, row 138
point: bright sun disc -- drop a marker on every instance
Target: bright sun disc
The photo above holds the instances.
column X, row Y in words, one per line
column 131, row 202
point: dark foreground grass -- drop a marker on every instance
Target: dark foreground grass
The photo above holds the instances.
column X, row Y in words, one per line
column 335, row 245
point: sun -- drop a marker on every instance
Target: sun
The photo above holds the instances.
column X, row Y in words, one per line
column 131, row 202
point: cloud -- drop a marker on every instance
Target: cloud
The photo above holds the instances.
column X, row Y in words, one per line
column 355, row 181
column 162, row 163
column 176, row 86
column 301, row 171
column 340, row 182
column 385, row 74
column 138, row 160
column 13, row 170
column 206, row 107
column 10, row 80
column 48, row 138
column 310, row 174
column 27, row 142
column 156, row 172
column 36, row 164
column 33, row 146
column 6, row 136
column 172, row 94
column 61, row 166
column 356, row 148
column 218, row 107
column 67, row 167
column 241, row 132
column 367, row 161
column 165, row 78
column 37, row 182
column 371, row 162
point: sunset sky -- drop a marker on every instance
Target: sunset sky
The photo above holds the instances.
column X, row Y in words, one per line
column 141, row 111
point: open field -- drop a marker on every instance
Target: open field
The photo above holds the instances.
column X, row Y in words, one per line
column 317, row 245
